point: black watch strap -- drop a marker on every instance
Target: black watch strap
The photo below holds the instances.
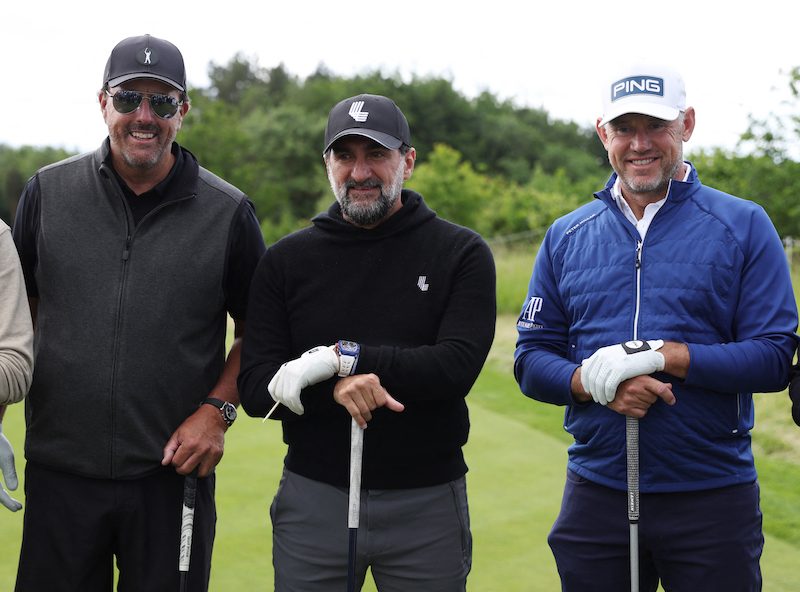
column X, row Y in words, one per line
column 227, row 410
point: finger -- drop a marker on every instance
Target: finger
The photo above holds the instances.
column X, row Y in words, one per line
column 169, row 451
column 10, row 476
column 393, row 404
column 666, row 394
column 8, row 501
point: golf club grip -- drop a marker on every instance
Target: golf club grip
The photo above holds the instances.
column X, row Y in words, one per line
column 632, row 449
column 187, row 521
column 356, row 453
column 351, row 560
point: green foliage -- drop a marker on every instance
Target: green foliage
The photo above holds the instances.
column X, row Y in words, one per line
column 263, row 129
column 16, row 167
column 496, row 206
column 773, row 185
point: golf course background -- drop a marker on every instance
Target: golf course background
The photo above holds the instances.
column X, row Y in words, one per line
column 517, row 457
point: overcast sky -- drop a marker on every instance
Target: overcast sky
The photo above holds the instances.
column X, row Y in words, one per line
column 734, row 56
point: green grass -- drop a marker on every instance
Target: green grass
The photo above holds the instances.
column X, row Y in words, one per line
column 517, row 458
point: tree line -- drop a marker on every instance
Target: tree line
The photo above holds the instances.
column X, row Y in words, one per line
column 500, row 168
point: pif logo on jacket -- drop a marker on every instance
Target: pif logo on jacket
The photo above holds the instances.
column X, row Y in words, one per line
column 637, row 85
column 527, row 320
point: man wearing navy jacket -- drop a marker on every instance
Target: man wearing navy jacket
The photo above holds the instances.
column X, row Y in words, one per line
column 671, row 302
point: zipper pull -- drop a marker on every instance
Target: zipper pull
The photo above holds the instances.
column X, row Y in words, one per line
column 639, row 255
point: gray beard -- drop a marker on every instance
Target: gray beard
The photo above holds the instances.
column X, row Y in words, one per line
column 365, row 214
column 373, row 213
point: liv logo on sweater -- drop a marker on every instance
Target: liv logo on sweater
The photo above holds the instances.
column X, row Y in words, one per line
column 422, row 283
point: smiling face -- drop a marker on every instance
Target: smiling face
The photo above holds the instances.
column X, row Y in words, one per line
column 367, row 179
column 646, row 152
column 141, row 141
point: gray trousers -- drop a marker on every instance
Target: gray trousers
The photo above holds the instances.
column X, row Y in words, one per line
column 411, row 539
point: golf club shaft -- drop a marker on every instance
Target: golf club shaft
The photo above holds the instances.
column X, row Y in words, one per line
column 187, row 527
column 354, row 501
column 632, row 449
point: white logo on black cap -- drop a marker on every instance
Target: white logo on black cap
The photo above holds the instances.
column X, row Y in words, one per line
column 356, row 112
column 147, row 53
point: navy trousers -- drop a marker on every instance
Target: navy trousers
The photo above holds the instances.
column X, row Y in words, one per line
column 709, row 541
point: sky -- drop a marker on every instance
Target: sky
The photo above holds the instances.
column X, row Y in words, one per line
column 734, row 56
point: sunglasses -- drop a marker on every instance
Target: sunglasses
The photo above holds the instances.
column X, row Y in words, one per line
column 128, row 101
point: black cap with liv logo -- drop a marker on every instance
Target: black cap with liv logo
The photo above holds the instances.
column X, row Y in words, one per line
column 372, row 116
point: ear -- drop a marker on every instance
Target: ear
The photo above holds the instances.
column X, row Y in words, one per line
column 410, row 158
column 102, row 98
column 602, row 133
column 688, row 124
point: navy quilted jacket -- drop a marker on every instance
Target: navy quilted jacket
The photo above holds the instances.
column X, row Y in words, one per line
column 711, row 272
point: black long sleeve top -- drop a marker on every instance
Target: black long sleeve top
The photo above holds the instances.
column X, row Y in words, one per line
column 418, row 293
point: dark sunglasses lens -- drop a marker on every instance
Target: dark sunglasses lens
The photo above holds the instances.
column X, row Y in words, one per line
column 127, row 101
column 164, row 106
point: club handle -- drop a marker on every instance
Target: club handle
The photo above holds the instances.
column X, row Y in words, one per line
column 187, row 521
column 356, row 454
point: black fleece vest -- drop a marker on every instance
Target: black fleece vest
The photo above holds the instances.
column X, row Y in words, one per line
column 131, row 320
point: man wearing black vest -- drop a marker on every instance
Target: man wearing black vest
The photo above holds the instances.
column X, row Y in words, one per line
column 133, row 255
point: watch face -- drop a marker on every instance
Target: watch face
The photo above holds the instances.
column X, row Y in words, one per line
column 348, row 347
column 229, row 411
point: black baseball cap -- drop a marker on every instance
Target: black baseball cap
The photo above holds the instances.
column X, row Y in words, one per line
column 372, row 116
column 145, row 57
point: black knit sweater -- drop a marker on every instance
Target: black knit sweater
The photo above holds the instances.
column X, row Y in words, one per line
column 418, row 293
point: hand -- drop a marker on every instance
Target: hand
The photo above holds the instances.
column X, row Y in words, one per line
column 361, row 394
column 317, row 364
column 637, row 395
column 794, row 394
column 198, row 443
column 9, row 473
column 602, row 372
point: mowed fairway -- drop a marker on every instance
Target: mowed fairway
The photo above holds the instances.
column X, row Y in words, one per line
column 516, row 454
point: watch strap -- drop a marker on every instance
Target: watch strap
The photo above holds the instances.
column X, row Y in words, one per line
column 220, row 404
column 348, row 357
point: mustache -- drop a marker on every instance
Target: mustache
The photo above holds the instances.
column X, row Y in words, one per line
column 368, row 184
column 144, row 128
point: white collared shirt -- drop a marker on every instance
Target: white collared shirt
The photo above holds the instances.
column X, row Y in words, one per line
column 650, row 210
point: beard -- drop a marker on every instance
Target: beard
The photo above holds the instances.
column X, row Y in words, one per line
column 137, row 159
column 658, row 184
column 368, row 214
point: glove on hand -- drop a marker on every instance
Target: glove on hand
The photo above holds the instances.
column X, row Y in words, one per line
column 9, row 473
column 317, row 364
column 608, row 366
column 794, row 394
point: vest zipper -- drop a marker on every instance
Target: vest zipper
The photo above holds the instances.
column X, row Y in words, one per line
column 126, row 251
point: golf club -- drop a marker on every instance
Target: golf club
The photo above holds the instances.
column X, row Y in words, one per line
column 354, row 505
column 187, row 527
column 632, row 448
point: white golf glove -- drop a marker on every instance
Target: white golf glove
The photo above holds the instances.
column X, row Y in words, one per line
column 9, row 473
column 602, row 372
column 317, row 364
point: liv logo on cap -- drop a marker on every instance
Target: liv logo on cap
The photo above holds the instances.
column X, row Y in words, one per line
column 356, row 112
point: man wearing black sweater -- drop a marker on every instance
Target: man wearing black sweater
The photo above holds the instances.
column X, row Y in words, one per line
column 395, row 311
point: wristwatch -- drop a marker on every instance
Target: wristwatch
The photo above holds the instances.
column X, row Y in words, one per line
column 226, row 410
column 348, row 356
